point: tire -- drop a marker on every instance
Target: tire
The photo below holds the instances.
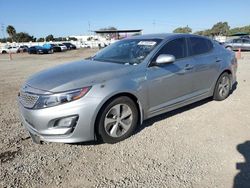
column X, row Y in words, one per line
column 4, row 52
column 222, row 88
column 117, row 120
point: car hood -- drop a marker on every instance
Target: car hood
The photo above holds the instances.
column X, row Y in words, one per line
column 76, row 75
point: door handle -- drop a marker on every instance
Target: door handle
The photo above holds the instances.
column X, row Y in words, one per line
column 185, row 69
column 218, row 60
column 188, row 67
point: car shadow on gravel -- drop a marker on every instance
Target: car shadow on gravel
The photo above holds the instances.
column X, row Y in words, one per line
column 234, row 87
column 242, row 179
column 161, row 117
column 88, row 143
column 151, row 121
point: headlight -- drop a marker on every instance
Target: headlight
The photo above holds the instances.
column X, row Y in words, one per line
column 45, row 101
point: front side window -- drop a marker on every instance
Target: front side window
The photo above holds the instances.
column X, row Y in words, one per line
column 176, row 47
column 199, row 45
column 132, row 51
column 237, row 41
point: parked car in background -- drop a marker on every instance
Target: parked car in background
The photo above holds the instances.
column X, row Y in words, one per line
column 52, row 47
column 62, row 46
column 9, row 49
column 239, row 43
column 245, row 37
column 39, row 50
column 69, row 45
column 107, row 96
column 23, row 48
column 55, row 48
column 85, row 45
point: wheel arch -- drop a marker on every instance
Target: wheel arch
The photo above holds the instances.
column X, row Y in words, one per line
column 121, row 94
column 229, row 46
column 230, row 74
column 224, row 71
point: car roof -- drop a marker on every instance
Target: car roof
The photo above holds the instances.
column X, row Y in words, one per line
column 164, row 36
column 37, row 46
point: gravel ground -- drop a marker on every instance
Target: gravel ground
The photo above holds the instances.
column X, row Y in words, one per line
column 196, row 146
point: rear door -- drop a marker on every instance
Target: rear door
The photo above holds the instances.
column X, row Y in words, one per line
column 206, row 64
column 246, row 44
column 237, row 43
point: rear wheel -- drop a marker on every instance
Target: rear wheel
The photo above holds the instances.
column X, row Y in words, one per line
column 4, row 52
column 222, row 88
column 117, row 120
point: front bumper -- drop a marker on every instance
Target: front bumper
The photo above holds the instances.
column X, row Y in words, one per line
column 39, row 122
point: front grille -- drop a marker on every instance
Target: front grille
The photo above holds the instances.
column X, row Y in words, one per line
column 28, row 100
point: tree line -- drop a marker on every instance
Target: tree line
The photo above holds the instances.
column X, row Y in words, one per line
column 25, row 37
column 220, row 28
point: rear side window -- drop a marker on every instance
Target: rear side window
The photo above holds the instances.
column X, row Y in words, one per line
column 176, row 47
column 246, row 41
column 200, row 45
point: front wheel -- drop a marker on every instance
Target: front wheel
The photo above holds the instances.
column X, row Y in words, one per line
column 222, row 88
column 117, row 120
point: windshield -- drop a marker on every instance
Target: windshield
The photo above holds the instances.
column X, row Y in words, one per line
column 132, row 51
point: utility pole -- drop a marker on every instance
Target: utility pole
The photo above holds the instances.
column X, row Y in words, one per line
column 2, row 28
column 89, row 27
column 154, row 23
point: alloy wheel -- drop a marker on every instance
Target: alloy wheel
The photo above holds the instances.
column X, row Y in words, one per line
column 118, row 120
column 224, row 86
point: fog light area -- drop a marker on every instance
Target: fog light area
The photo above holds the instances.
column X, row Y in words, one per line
column 66, row 122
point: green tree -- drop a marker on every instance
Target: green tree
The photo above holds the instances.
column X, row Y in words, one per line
column 73, row 38
column 11, row 31
column 23, row 37
column 40, row 40
column 220, row 28
column 183, row 30
column 206, row 32
column 49, row 38
column 198, row 33
column 245, row 29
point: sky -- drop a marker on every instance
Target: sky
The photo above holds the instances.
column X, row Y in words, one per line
column 76, row 17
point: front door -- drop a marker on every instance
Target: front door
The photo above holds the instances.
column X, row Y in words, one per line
column 169, row 84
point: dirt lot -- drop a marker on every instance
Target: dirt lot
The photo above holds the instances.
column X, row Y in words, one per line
column 197, row 146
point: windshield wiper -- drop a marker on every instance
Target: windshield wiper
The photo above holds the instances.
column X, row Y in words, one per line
column 108, row 60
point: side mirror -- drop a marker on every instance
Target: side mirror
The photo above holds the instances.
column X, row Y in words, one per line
column 165, row 59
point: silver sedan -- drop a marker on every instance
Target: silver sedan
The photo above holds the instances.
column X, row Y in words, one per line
column 107, row 96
